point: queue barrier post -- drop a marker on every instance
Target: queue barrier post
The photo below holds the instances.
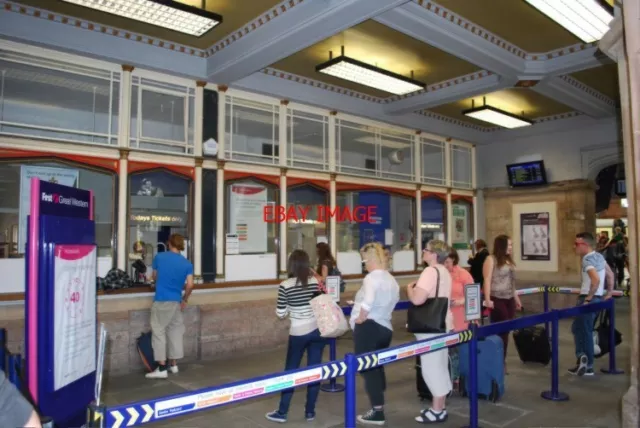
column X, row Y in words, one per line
column 554, row 394
column 350, row 391
column 3, row 344
column 612, row 341
column 473, row 377
column 333, row 385
column 96, row 415
column 545, row 296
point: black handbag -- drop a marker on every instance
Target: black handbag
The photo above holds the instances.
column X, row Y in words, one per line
column 431, row 316
column 602, row 327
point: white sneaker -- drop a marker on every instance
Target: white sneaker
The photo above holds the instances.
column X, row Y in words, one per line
column 174, row 369
column 157, row 374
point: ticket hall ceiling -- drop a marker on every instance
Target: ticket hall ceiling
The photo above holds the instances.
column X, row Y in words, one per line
column 478, row 65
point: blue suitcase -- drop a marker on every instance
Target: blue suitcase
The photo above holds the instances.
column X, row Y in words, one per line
column 490, row 368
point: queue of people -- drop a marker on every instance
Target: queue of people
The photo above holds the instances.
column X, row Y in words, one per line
column 371, row 316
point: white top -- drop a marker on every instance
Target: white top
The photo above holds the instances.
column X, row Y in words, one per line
column 593, row 260
column 293, row 301
column 378, row 295
column 428, row 281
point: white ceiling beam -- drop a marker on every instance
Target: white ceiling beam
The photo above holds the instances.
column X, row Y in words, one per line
column 576, row 61
column 449, row 91
column 577, row 95
column 303, row 25
column 431, row 28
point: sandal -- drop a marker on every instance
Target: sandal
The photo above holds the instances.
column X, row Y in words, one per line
column 431, row 417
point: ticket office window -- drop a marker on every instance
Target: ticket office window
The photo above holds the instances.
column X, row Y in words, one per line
column 388, row 220
column 434, row 219
column 251, row 239
column 15, row 177
column 310, row 224
column 159, row 206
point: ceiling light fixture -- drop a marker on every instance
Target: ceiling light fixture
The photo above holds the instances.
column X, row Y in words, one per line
column 587, row 19
column 496, row 116
column 355, row 71
column 168, row 14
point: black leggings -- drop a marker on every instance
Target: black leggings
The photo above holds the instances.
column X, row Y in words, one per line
column 368, row 337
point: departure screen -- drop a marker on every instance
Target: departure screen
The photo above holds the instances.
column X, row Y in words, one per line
column 527, row 174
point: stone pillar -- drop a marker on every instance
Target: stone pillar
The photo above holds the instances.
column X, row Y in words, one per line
column 332, row 221
column 124, row 125
column 282, row 134
column 417, row 157
column 197, row 222
column 222, row 123
column 220, row 212
column 418, row 225
column 197, row 200
column 629, row 78
column 449, row 218
column 332, row 142
column 123, row 202
column 282, row 227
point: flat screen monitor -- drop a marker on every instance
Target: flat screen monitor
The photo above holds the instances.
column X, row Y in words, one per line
column 527, row 174
column 621, row 188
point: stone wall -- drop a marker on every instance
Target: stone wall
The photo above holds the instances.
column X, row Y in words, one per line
column 575, row 207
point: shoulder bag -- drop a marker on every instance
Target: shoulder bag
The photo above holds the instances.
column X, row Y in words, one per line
column 431, row 316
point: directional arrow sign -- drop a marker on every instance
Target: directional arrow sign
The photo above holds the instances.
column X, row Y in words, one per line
column 367, row 362
column 375, row 359
column 343, row 369
column 360, row 363
column 118, row 417
column 148, row 412
column 326, row 372
column 134, row 415
column 335, row 370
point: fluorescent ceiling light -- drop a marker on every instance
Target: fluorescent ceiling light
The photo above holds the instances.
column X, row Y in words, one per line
column 168, row 14
column 353, row 70
column 497, row 117
column 588, row 19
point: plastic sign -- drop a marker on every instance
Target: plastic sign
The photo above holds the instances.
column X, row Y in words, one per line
column 472, row 306
column 333, row 287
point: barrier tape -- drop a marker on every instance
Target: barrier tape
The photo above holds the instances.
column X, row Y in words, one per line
column 153, row 410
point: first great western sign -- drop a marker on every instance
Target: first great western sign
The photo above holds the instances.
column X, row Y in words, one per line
column 64, row 201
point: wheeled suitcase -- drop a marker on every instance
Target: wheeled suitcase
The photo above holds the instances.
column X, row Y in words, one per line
column 533, row 345
column 490, row 368
column 146, row 351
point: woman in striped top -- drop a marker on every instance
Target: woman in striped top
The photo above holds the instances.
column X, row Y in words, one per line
column 294, row 296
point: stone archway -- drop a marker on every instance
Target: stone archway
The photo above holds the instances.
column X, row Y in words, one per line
column 595, row 158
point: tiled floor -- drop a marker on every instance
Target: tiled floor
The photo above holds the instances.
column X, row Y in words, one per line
column 595, row 402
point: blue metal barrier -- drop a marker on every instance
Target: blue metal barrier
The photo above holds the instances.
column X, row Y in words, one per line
column 3, row 344
column 143, row 412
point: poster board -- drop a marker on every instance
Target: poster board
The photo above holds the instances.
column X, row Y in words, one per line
column 517, row 209
column 246, row 217
column 534, row 236
column 332, row 284
column 74, row 331
column 472, row 302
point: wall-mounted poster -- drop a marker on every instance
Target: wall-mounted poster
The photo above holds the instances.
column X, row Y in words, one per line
column 66, row 177
column 246, row 217
column 460, row 218
column 534, row 231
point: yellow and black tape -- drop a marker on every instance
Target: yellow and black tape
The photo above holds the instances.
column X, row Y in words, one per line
column 552, row 289
column 465, row 336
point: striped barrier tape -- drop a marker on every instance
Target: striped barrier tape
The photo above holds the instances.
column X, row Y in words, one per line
column 157, row 409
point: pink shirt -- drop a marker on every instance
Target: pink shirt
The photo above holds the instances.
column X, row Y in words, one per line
column 459, row 278
column 428, row 281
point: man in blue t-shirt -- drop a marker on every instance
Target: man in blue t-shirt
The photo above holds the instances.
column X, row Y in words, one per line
column 171, row 271
column 591, row 290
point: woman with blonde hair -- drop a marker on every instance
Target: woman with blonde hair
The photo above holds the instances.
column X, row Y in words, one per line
column 371, row 324
column 171, row 271
column 435, row 281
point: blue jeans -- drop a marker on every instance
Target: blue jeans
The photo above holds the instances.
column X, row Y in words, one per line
column 582, row 329
column 314, row 344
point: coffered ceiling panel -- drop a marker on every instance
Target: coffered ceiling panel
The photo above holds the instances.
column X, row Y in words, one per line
column 512, row 100
column 381, row 46
column 515, row 21
column 603, row 79
column 235, row 13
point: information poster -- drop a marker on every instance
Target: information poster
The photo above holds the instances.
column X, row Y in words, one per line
column 74, row 313
column 460, row 218
column 246, row 219
column 534, row 232
column 66, row 177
